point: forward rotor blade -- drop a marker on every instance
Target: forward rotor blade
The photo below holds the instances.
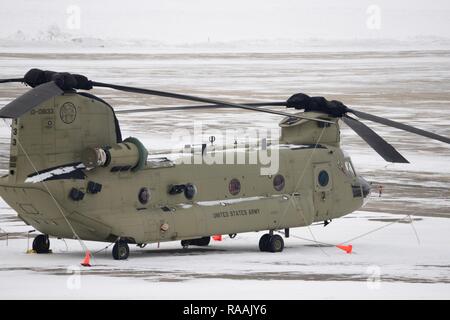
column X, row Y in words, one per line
column 206, row 106
column 30, row 99
column 399, row 125
column 12, row 80
column 199, row 99
column 383, row 148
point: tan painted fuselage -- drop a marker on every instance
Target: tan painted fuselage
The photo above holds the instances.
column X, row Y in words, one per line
column 51, row 135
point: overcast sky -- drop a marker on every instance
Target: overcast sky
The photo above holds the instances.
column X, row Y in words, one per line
column 224, row 20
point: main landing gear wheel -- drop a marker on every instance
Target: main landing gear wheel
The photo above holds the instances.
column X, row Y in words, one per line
column 269, row 243
column 41, row 244
column 263, row 242
column 201, row 242
column 120, row 250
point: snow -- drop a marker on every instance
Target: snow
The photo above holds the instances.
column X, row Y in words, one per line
column 38, row 177
column 63, row 43
column 389, row 263
column 233, row 25
column 409, row 86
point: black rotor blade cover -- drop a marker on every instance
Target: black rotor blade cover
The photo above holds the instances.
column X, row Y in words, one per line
column 399, row 125
column 383, row 148
column 318, row 104
column 30, row 99
column 64, row 80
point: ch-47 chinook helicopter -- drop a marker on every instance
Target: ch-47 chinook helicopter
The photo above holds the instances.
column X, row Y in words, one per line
column 72, row 175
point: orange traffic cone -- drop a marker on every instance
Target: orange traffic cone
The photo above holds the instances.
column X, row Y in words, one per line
column 217, row 237
column 87, row 259
column 347, row 249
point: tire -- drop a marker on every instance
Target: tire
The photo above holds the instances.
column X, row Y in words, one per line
column 185, row 243
column 41, row 244
column 120, row 251
column 275, row 244
column 202, row 242
column 263, row 242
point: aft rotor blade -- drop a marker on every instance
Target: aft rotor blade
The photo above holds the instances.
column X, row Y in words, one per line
column 206, row 106
column 399, row 125
column 200, row 99
column 12, row 80
column 30, row 99
column 380, row 145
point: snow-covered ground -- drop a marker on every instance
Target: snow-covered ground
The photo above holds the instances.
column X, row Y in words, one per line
column 410, row 85
column 400, row 260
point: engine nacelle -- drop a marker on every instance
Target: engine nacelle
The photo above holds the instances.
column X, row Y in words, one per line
column 301, row 131
column 127, row 155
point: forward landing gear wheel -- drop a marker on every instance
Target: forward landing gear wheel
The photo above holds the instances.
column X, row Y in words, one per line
column 41, row 244
column 269, row 243
column 120, row 250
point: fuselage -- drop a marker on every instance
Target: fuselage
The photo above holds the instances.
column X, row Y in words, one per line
column 261, row 202
column 144, row 203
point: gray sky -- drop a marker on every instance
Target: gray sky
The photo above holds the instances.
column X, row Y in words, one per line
column 200, row 20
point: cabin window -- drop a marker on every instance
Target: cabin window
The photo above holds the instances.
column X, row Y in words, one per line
column 323, row 178
column 278, row 182
column 190, row 190
column 349, row 168
column 234, row 187
column 144, row 196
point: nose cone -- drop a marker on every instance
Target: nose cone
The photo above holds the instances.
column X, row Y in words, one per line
column 365, row 186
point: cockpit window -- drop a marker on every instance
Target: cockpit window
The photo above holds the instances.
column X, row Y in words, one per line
column 349, row 168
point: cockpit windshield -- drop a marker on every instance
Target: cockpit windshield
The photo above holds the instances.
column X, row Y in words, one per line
column 349, row 167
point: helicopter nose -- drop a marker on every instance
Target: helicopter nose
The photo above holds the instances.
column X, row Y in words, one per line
column 365, row 186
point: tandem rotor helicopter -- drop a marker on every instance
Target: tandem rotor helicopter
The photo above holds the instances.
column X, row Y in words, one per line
column 72, row 175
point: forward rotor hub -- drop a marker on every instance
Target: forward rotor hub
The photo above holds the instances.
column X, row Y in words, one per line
column 320, row 104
